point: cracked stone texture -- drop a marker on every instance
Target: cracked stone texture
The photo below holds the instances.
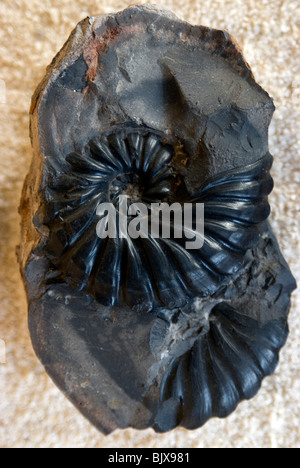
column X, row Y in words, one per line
column 33, row 412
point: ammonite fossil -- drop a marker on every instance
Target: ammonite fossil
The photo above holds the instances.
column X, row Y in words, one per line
column 139, row 326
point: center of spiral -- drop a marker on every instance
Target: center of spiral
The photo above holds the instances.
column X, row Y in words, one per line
column 126, row 185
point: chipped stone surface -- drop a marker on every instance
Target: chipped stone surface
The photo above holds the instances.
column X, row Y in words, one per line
column 273, row 412
column 188, row 124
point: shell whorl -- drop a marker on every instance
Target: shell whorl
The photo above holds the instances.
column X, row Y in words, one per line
column 141, row 163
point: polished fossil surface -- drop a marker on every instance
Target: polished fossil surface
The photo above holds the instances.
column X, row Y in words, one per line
column 141, row 332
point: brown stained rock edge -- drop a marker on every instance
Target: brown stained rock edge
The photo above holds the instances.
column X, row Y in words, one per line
column 85, row 33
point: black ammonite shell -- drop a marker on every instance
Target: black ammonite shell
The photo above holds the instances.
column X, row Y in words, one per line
column 225, row 365
column 139, row 163
column 143, row 331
